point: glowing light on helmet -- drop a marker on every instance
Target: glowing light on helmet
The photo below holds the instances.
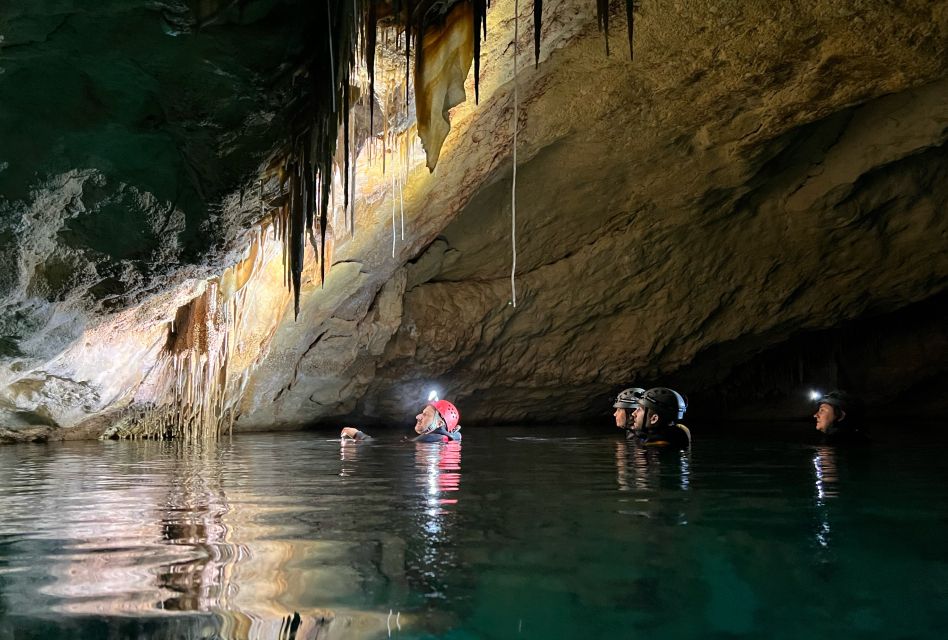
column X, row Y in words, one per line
column 815, row 395
column 433, row 396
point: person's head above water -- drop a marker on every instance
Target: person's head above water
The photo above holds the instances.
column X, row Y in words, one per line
column 625, row 404
column 831, row 411
column 439, row 413
column 659, row 407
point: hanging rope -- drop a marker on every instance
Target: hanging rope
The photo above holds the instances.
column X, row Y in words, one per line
column 394, row 194
column 513, row 183
column 401, row 187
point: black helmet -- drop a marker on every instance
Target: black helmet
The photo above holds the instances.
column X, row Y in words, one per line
column 836, row 399
column 629, row 398
column 667, row 403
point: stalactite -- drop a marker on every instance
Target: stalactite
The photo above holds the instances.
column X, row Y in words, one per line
column 630, row 21
column 329, row 74
column 408, row 20
column 537, row 21
column 602, row 17
column 443, row 59
column 332, row 65
column 330, row 70
column 480, row 22
column 201, row 372
column 371, row 35
column 296, row 235
column 326, row 175
column 346, row 88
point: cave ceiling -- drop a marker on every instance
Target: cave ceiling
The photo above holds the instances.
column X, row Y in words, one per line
column 123, row 130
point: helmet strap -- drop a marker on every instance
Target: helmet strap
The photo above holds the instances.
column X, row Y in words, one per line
column 436, row 422
column 645, row 420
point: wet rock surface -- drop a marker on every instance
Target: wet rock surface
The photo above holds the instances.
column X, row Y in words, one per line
column 124, row 127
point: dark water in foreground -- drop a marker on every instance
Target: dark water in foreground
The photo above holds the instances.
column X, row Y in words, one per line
column 554, row 535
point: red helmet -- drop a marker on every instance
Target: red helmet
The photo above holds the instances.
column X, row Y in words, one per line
column 449, row 412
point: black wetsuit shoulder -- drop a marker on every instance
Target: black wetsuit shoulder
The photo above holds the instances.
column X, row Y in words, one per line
column 846, row 437
column 673, row 436
column 438, row 435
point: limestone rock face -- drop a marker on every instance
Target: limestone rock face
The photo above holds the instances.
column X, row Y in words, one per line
column 762, row 178
column 122, row 128
column 758, row 174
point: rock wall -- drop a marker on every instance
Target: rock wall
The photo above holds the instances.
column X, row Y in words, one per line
column 762, row 174
column 756, row 173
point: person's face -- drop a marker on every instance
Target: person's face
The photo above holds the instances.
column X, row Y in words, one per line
column 825, row 417
column 423, row 419
column 638, row 419
column 620, row 415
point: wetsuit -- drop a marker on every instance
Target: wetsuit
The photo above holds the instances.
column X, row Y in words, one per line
column 438, row 435
column 845, row 435
column 673, row 436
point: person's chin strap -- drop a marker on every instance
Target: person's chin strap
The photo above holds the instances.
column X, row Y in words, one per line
column 436, row 422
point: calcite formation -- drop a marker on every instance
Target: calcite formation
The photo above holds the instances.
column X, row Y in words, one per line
column 758, row 174
column 439, row 81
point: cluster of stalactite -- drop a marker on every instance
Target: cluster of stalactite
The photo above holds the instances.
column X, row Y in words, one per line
column 345, row 37
column 335, row 80
column 196, row 385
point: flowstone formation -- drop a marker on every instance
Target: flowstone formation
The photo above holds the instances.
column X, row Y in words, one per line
column 754, row 173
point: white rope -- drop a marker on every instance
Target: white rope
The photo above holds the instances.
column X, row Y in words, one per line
column 332, row 194
column 393, row 213
column 401, row 191
column 513, row 184
column 353, row 158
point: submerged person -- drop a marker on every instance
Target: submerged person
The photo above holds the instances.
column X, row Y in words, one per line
column 655, row 419
column 835, row 419
column 626, row 403
column 437, row 422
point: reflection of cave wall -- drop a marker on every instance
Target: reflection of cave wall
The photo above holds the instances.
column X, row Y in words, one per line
column 897, row 363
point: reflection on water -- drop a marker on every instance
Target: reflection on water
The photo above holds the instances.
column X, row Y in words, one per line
column 826, row 479
column 643, row 468
column 156, row 533
column 299, row 536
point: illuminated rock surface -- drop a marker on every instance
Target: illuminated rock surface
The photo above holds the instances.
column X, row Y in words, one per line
column 756, row 172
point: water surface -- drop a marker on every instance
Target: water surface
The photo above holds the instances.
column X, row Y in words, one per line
column 528, row 533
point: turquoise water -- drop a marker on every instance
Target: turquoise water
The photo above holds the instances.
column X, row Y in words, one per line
column 556, row 534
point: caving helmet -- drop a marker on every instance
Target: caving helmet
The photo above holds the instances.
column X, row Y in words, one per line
column 667, row 403
column 448, row 412
column 839, row 400
column 629, row 398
